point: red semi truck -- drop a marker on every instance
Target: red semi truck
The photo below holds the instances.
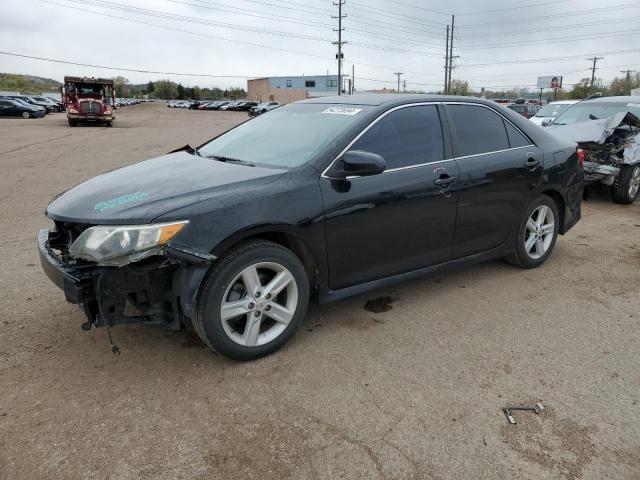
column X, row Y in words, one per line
column 89, row 99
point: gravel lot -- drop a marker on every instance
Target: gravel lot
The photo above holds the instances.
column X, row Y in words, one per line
column 415, row 391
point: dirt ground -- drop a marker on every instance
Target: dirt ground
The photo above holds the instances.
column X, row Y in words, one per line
column 410, row 387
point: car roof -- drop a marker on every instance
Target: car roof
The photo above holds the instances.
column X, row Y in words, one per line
column 563, row 102
column 392, row 99
column 620, row 99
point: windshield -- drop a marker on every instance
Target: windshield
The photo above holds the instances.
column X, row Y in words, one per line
column 553, row 109
column 88, row 89
column 584, row 111
column 289, row 136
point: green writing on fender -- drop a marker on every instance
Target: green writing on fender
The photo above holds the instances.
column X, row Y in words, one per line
column 116, row 202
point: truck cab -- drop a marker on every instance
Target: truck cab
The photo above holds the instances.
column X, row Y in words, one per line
column 89, row 99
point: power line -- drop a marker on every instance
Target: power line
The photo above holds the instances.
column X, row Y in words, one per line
column 125, row 69
column 551, row 59
column 549, row 29
column 554, row 16
column 296, row 21
column 565, row 39
column 439, row 12
column 409, row 18
column 200, row 21
column 554, row 2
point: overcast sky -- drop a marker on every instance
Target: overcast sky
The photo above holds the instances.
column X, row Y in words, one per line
column 254, row 38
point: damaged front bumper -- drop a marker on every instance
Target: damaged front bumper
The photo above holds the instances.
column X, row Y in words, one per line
column 159, row 290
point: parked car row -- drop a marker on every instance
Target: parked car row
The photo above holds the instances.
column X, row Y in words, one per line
column 262, row 108
column 252, row 108
column 28, row 106
column 124, row 102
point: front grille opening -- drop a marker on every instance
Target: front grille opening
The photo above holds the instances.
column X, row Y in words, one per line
column 61, row 238
column 90, row 107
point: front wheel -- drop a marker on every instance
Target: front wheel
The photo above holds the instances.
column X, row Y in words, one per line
column 110, row 123
column 26, row 115
column 252, row 301
column 72, row 123
column 537, row 233
column 625, row 191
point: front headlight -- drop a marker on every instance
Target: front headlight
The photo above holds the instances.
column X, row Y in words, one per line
column 72, row 110
column 119, row 245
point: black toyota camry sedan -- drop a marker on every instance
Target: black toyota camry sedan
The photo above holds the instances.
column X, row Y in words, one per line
column 311, row 202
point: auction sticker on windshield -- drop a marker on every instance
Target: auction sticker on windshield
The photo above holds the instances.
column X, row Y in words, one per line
column 342, row 110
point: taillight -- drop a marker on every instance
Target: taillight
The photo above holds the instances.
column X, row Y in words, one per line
column 580, row 153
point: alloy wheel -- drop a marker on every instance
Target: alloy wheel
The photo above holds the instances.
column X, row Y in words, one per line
column 634, row 182
column 25, row 115
column 539, row 232
column 259, row 304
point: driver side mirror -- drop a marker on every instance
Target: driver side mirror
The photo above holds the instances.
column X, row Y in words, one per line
column 546, row 123
column 360, row 163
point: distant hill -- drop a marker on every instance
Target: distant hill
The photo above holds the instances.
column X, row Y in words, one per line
column 28, row 83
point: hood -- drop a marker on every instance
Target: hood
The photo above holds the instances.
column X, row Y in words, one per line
column 593, row 131
column 143, row 191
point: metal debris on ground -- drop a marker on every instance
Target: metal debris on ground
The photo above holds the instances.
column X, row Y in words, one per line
column 508, row 412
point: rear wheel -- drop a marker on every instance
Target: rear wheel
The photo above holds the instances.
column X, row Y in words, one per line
column 252, row 301
column 537, row 233
column 26, row 115
column 626, row 188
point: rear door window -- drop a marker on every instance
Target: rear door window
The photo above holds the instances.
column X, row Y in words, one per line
column 516, row 139
column 406, row 137
column 477, row 129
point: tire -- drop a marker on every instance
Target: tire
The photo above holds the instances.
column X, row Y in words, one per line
column 26, row 115
column 110, row 123
column 72, row 123
column 530, row 249
column 627, row 185
column 226, row 286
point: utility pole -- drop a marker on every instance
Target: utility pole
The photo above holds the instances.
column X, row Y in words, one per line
column 339, row 55
column 593, row 69
column 628, row 82
column 404, row 86
column 451, row 57
column 446, row 65
column 398, row 74
column 353, row 79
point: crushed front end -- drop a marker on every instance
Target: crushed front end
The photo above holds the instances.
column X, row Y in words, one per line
column 160, row 288
column 603, row 161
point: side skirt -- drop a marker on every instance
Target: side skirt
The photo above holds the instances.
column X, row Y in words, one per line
column 333, row 295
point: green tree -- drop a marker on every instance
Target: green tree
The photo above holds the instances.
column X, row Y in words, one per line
column 236, row 93
column 459, row 87
column 165, row 89
column 620, row 85
column 150, row 87
column 123, row 89
column 583, row 88
column 180, row 90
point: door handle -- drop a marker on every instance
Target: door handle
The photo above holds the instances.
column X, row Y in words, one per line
column 531, row 163
column 444, row 181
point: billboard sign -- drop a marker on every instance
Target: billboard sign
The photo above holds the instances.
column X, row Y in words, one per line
column 551, row 81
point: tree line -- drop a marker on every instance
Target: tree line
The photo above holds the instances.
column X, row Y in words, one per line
column 167, row 89
column 618, row 86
